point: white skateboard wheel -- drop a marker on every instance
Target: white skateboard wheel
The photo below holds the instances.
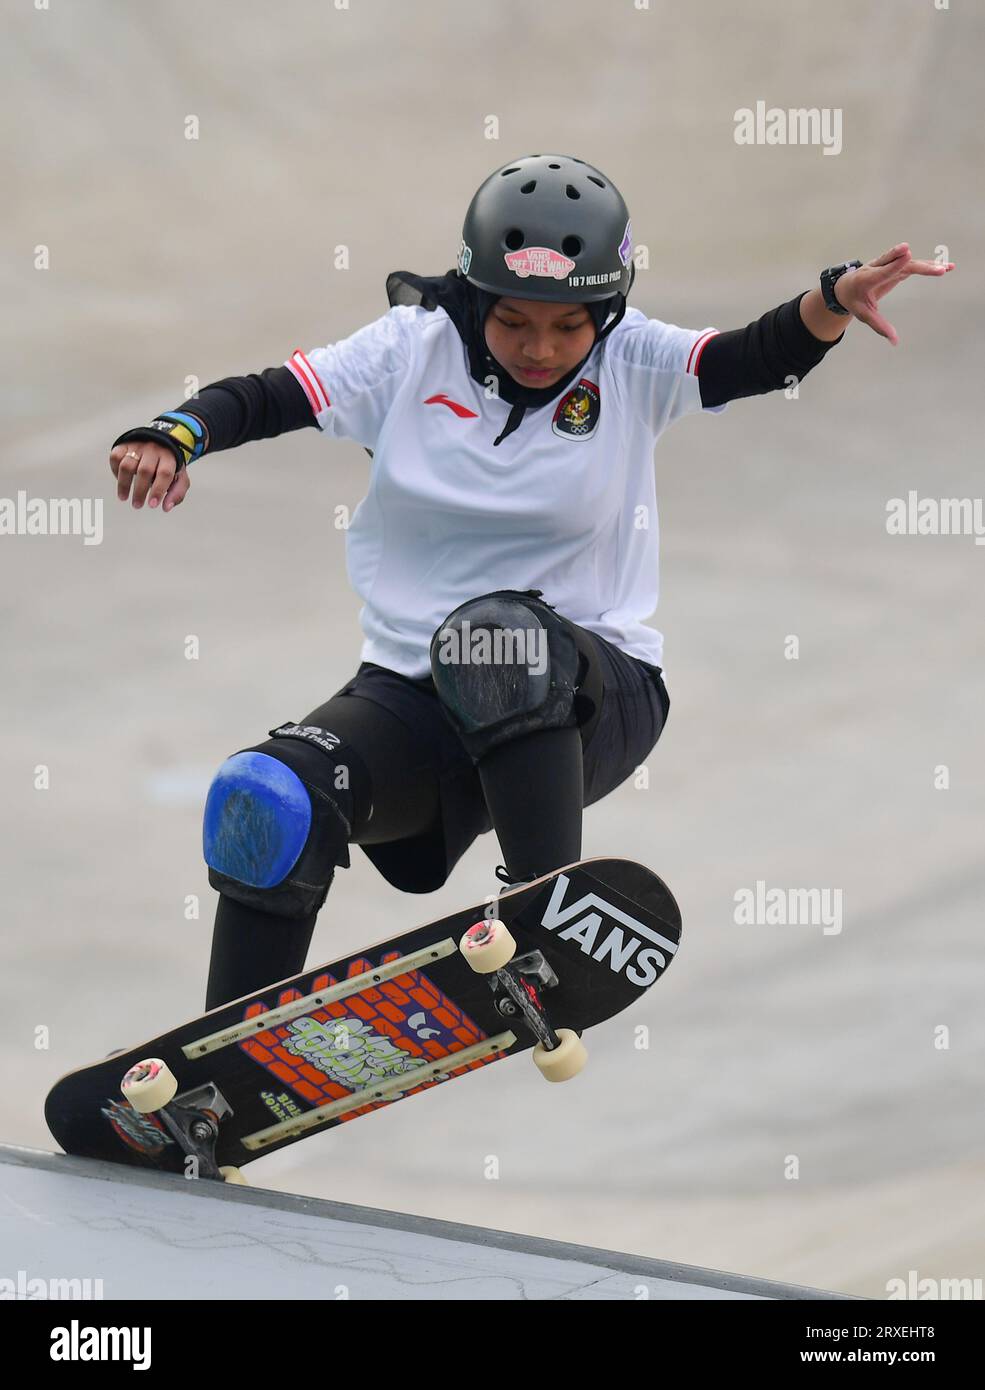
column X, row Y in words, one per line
column 149, row 1085
column 231, row 1174
column 488, row 946
column 563, row 1062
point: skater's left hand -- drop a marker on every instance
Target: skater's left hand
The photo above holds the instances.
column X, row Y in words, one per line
column 859, row 291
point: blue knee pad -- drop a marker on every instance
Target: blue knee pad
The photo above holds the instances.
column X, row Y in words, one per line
column 257, row 820
column 504, row 665
column 275, row 824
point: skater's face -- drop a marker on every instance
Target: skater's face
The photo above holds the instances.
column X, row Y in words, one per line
column 537, row 341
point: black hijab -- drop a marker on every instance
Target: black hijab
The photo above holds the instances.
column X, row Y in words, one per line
column 467, row 306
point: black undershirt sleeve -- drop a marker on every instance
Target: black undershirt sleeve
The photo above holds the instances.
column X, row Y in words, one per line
column 242, row 408
column 760, row 357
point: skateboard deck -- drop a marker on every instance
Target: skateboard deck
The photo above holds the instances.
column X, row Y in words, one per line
column 340, row 1040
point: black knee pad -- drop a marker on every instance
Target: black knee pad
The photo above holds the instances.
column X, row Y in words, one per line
column 279, row 816
column 503, row 665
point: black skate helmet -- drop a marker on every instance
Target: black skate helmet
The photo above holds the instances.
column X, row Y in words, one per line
column 548, row 226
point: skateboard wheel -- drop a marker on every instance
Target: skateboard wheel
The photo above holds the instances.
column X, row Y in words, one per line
column 488, row 946
column 563, row 1062
column 149, row 1085
column 231, row 1174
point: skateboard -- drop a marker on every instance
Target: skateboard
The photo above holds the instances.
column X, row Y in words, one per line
column 561, row 954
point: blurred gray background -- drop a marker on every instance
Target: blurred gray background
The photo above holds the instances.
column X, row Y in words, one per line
column 174, row 259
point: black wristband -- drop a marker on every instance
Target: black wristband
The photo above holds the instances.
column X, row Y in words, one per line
column 830, row 278
column 183, row 434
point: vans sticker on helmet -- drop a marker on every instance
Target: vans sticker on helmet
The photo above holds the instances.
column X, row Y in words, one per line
column 539, row 260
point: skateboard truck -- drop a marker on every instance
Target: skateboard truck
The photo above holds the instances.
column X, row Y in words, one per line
column 519, row 985
column 490, row 949
column 192, row 1119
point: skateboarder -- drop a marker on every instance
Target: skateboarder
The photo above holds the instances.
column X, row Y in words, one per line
column 506, row 551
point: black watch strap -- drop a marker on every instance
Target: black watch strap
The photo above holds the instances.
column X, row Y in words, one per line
column 829, row 278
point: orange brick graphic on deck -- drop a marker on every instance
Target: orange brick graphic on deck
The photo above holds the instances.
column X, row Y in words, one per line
column 386, row 1031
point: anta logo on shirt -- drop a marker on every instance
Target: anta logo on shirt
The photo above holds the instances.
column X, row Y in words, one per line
column 577, row 413
column 462, row 411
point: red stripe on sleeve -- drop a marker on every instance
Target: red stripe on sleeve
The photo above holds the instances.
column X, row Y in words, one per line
column 308, row 379
column 695, row 355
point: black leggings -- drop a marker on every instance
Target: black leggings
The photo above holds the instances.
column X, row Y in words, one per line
column 531, row 791
column 405, row 787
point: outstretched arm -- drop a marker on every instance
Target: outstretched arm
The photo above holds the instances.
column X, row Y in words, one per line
column 789, row 341
column 345, row 389
column 222, row 415
column 859, row 291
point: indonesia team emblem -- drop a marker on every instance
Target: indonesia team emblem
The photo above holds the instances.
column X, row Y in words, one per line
column 577, row 414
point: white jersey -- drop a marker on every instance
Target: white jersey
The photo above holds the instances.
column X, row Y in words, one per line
column 565, row 504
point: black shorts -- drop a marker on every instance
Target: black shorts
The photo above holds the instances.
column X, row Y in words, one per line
column 626, row 726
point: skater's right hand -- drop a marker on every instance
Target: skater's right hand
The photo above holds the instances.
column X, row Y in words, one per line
column 152, row 471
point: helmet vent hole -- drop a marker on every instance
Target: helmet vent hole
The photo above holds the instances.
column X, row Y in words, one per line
column 529, row 186
column 595, row 180
column 504, row 172
column 571, row 191
column 513, row 239
column 553, row 166
column 572, row 246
